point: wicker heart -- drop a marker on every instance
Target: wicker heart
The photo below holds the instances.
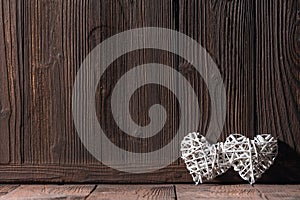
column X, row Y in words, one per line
column 251, row 158
column 203, row 160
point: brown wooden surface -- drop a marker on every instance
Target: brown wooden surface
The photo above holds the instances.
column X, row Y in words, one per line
column 193, row 192
column 5, row 189
column 276, row 192
column 50, row 192
column 133, row 192
column 42, row 43
column 267, row 192
column 277, row 70
column 167, row 192
column 11, row 77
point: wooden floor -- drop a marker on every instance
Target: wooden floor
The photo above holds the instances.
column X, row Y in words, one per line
column 128, row 192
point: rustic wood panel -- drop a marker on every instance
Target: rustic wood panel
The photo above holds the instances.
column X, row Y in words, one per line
column 51, row 74
column 42, row 43
column 133, row 192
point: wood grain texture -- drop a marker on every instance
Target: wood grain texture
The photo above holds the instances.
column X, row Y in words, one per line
column 277, row 81
column 91, row 173
column 276, row 192
column 94, row 173
column 46, row 82
column 131, row 192
column 43, row 42
column 5, row 189
column 225, row 30
column 207, row 191
column 53, row 192
column 105, row 23
column 182, row 192
column 11, row 69
column 278, row 71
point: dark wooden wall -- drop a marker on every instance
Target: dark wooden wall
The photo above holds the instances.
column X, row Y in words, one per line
column 255, row 43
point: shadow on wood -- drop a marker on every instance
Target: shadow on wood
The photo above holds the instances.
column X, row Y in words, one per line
column 284, row 170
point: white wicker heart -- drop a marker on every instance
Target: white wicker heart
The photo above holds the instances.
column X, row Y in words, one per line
column 204, row 161
column 250, row 158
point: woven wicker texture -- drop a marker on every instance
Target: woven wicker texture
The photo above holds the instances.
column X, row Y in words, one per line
column 250, row 158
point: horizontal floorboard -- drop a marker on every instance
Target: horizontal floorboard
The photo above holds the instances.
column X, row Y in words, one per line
column 133, row 192
column 212, row 191
column 35, row 192
column 158, row 191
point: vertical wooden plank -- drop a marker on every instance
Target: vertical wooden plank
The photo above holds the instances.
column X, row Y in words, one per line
column 277, row 77
column 10, row 80
column 44, row 82
column 226, row 30
column 277, row 82
column 5, row 109
column 75, row 30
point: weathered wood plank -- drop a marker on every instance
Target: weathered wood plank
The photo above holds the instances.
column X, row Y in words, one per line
column 189, row 192
column 85, row 173
column 52, row 173
column 4, row 189
column 277, row 70
column 207, row 191
column 277, row 82
column 225, row 30
column 11, row 67
column 133, row 192
column 4, row 92
column 279, row 192
column 44, row 84
column 52, row 192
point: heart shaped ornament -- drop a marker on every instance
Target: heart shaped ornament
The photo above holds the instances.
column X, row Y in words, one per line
column 204, row 161
column 251, row 158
